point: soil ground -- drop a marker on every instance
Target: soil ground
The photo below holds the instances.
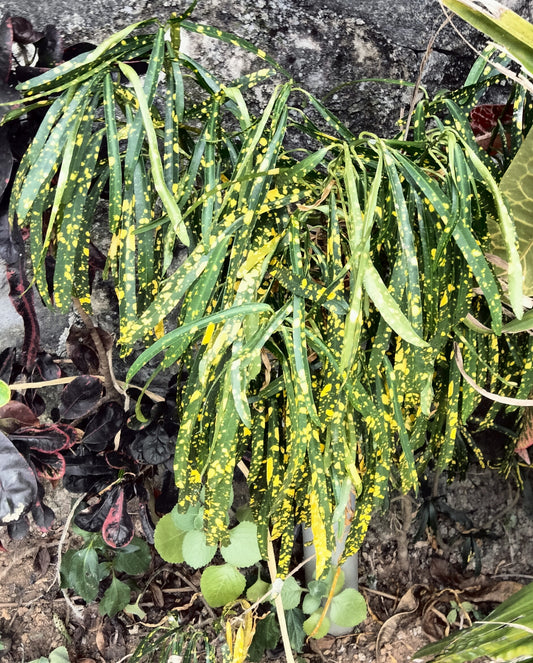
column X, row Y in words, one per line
column 411, row 583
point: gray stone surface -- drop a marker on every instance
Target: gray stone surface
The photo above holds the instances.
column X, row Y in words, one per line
column 11, row 325
column 323, row 43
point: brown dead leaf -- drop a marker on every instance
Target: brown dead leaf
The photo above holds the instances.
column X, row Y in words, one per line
column 157, row 595
column 407, row 608
column 492, row 593
column 41, row 562
column 101, row 641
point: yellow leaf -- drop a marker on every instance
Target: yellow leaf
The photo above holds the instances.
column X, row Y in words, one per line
column 319, row 535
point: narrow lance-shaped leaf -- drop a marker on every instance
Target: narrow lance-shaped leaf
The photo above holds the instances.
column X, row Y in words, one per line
column 508, row 235
column 389, row 308
column 113, row 155
column 155, row 159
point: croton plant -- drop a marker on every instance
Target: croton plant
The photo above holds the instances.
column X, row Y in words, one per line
column 331, row 314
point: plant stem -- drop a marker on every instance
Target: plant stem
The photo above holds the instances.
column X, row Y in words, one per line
column 113, row 391
column 328, row 602
column 272, row 568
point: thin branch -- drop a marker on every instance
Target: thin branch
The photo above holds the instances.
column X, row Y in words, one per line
column 423, row 64
column 113, row 389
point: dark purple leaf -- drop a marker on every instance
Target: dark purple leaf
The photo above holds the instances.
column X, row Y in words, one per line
column 18, row 529
column 50, row 47
column 6, row 43
column 42, row 514
column 118, row 530
column 7, row 359
column 45, row 368
column 18, row 486
column 50, row 439
column 21, row 296
column 24, row 73
column 33, row 399
column 81, row 348
column 80, row 396
column 144, row 513
column 49, row 466
column 118, row 460
column 147, row 523
column 6, row 161
column 84, row 474
column 91, row 519
column 168, row 497
column 23, row 31
column 77, row 49
column 153, row 445
column 101, row 430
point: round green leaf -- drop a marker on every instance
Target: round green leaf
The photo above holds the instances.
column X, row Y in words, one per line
column 257, row 590
column 185, row 521
column 348, row 608
column 311, row 603
column 243, row 549
column 290, row 593
column 196, row 552
column 318, row 588
column 168, row 540
column 5, row 393
column 312, row 621
column 221, row 584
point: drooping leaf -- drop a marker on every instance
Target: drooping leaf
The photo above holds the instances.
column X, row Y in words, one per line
column 18, row 486
column 117, row 528
column 103, row 426
column 79, row 397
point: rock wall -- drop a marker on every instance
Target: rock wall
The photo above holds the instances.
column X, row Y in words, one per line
column 326, row 45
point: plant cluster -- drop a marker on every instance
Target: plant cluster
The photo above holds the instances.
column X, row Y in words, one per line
column 333, row 315
column 322, row 299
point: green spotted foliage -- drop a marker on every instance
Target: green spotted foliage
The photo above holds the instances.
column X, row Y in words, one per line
column 322, row 290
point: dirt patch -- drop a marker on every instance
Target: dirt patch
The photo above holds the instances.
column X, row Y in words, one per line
column 411, row 585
